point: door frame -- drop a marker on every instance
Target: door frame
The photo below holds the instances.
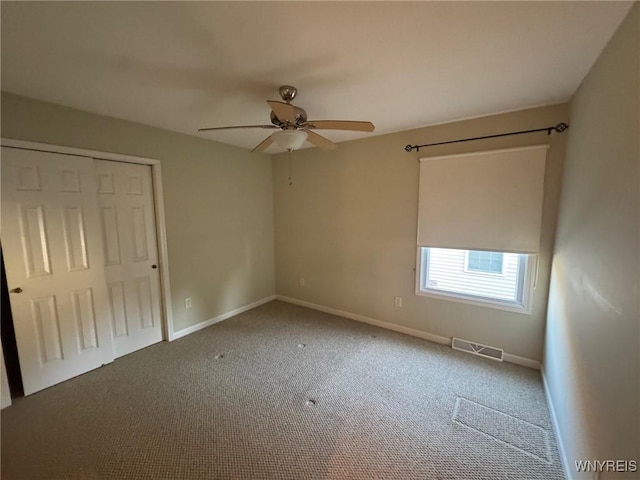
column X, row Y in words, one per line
column 158, row 201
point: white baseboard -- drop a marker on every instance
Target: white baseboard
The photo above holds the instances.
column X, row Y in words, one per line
column 524, row 361
column 220, row 318
column 527, row 362
column 556, row 429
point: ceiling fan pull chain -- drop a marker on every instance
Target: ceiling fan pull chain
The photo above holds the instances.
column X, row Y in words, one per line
column 290, row 174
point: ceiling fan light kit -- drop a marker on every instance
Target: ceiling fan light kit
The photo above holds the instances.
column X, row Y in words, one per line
column 290, row 139
column 294, row 127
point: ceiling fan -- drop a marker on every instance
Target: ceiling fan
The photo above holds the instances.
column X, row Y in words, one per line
column 294, row 128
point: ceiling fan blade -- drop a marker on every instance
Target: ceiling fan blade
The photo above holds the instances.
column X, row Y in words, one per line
column 340, row 125
column 284, row 111
column 263, row 144
column 237, row 126
column 320, row 141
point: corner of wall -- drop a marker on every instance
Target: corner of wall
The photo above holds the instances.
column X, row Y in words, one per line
column 592, row 313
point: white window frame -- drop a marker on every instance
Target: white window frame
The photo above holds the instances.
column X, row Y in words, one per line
column 482, row 272
column 527, row 285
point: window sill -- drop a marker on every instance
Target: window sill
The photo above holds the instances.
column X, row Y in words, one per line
column 480, row 302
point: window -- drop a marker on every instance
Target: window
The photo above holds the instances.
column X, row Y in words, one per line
column 486, row 262
column 497, row 279
column 481, row 206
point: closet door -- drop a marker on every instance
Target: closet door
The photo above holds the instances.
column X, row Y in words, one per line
column 55, row 267
column 125, row 195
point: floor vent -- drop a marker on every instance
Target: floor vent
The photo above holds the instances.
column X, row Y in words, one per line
column 477, row 349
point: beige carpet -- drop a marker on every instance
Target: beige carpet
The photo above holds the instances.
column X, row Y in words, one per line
column 284, row 392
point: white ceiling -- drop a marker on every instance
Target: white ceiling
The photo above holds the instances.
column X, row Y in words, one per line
column 185, row 65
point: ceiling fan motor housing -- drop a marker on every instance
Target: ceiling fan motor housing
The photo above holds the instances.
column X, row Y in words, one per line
column 301, row 117
column 288, row 93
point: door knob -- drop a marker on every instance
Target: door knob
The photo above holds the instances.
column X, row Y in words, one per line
column 16, row 290
column 154, row 266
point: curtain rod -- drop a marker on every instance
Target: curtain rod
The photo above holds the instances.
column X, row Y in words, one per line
column 560, row 127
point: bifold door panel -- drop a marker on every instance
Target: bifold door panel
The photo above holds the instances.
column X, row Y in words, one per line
column 51, row 237
column 125, row 197
column 81, row 256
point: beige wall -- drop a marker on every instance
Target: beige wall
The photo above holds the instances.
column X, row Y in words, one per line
column 593, row 333
column 348, row 226
column 218, row 202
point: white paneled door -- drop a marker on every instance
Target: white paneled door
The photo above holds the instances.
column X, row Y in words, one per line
column 55, row 265
column 125, row 197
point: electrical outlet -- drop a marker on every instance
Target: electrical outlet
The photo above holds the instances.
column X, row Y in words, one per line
column 302, row 281
column 397, row 301
column 187, row 302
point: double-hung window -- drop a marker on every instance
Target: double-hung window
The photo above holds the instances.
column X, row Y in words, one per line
column 479, row 227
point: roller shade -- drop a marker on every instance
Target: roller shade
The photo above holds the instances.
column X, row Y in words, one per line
column 483, row 201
